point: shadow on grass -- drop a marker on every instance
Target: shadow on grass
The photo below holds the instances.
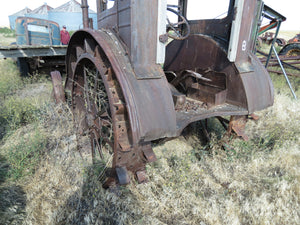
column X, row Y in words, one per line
column 4, row 167
column 12, row 198
column 95, row 205
column 3, row 125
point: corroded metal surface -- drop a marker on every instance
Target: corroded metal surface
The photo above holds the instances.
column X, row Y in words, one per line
column 58, row 90
column 205, row 55
column 85, row 13
column 145, row 102
column 130, row 149
column 149, row 102
column 238, row 124
column 32, row 51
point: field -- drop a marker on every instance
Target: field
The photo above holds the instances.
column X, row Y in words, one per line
column 46, row 174
column 7, row 36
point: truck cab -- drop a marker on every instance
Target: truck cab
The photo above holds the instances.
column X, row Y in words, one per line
column 34, row 31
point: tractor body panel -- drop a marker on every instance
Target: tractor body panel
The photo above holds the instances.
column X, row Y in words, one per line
column 131, row 84
column 211, row 72
column 149, row 102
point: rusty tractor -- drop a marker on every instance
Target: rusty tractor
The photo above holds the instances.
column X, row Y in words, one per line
column 141, row 77
column 268, row 38
column 274, row 21
column 292, row 48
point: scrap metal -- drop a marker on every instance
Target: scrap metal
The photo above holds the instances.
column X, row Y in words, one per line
column 124, row 97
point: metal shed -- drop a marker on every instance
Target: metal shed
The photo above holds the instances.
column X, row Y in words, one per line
column 40, row 12
column 12, row 18
column 70, row 14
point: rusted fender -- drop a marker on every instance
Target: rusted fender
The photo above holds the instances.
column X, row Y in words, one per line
column 258, row 85
column 248, row 82
column 149, row 102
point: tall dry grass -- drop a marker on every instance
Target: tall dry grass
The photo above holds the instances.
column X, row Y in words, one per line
column 254, row 182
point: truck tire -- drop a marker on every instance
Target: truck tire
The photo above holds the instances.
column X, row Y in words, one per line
column 23, row 66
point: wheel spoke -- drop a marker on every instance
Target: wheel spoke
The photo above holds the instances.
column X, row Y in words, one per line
column 97, row 110
column 94, row 97
column 97, row 144
column 96, row 83
column 86, row 91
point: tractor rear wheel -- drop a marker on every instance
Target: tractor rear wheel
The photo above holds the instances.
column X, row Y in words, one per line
column 100, row 112
column 290, row 50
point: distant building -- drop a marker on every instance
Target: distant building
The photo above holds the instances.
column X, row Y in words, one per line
column 69, row 14
column 12, row 18
column 40, row 12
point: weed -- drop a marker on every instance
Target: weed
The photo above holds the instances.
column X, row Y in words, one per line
column 10, row 80
column 7, row 32
column 198, row 153
column 24, row 154
column 19, row 106
column 18, row 111
column 3, row 169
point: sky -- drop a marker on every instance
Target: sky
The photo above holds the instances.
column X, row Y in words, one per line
column 288, row 8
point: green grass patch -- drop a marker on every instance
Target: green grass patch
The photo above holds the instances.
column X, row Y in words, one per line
column 10, row 79
column 281, row 85
column 3, row 169
column 24, row 153
column 7, row 32
column 17, row 111
column 22, row 100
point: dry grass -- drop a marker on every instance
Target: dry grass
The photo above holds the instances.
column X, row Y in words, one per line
column 255, row 182
column 60, row 173
column 287, row 34
column 6, row 41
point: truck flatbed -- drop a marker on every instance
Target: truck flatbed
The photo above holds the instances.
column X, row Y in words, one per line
column 15, row 51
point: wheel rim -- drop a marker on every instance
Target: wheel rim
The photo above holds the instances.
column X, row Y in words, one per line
column 90, row 99
column 99, row 111
column 293, row 52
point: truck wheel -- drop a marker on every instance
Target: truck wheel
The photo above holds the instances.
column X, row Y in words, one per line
column 290, row 50
column 23, row 66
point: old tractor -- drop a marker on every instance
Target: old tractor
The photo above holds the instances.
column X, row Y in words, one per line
column 141, row 77
column 292, row 48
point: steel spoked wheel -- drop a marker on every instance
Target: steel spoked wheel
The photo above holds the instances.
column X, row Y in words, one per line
column 98, row 122
column 293, row 52
column 96, row 102
column 92, row 111
column 100, row 112
column 290, row 50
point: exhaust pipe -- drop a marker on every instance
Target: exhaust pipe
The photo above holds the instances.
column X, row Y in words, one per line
column 85, row 13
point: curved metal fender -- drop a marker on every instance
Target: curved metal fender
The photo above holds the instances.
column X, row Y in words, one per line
column 258, row 86
column 149, row 101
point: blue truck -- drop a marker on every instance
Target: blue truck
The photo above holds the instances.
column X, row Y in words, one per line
column 37, row 45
